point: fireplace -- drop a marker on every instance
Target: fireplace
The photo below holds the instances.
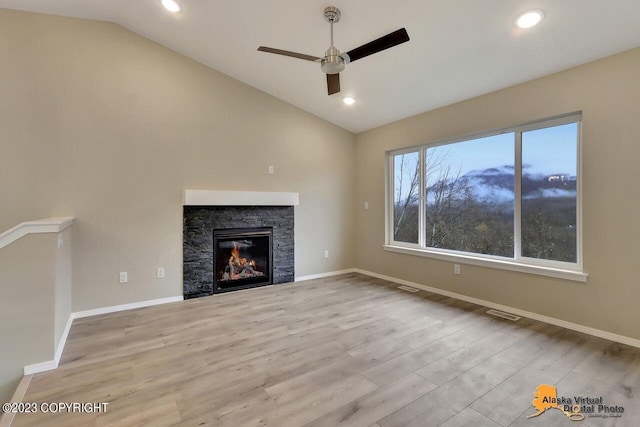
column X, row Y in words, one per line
column 201, row 278
column 242, row 258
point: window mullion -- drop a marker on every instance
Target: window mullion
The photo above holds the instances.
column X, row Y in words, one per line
column 422, row 211
column 579, row 253
column 517, row 194
column 389, row 198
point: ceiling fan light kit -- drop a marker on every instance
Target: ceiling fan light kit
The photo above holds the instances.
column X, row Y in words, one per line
column 334, row 62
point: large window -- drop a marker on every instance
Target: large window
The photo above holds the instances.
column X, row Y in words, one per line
column 507, row 195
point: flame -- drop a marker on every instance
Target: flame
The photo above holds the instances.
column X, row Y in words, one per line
column 239, row 268
column 235, row 252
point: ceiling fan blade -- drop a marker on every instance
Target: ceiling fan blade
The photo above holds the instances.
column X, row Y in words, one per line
column 378, row 45
column 333, row 83
column 289, row 53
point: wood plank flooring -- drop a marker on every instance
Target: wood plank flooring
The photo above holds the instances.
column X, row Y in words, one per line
column 344, row 351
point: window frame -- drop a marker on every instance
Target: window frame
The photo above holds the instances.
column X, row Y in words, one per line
column 551, row 268
column 389, row 196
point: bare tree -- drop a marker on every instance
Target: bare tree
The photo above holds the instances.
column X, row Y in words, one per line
column 455, row 218
column 407, row 184
column 449, row 203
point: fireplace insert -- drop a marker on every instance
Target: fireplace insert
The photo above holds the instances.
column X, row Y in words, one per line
column 242, row 258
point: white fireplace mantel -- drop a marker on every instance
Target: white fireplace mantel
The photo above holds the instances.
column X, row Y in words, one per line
column 239, row 198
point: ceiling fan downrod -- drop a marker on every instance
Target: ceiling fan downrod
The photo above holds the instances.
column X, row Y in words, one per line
column 333, row 62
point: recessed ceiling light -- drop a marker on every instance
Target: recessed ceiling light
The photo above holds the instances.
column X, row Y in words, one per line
column 348, row 100
column 171, row 5
column 529, row 19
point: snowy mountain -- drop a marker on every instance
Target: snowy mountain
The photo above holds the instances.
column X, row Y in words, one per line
column 496, row 185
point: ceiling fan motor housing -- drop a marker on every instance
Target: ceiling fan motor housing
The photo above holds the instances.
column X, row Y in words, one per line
column 333, row 62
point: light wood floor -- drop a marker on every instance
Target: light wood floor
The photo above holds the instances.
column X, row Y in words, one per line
column 345, row 351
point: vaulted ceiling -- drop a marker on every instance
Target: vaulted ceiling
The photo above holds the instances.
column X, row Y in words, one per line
column 458, row 49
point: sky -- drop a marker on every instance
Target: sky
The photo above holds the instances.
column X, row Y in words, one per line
column 544, row 151
column 551, row 150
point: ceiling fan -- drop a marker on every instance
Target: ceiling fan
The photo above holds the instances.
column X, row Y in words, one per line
column 334, row 61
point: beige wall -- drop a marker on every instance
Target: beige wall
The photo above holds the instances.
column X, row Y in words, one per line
column 106, row 126
column 608, row 93
column 27, row 280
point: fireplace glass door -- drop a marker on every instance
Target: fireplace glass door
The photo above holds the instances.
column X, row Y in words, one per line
column 242, row 258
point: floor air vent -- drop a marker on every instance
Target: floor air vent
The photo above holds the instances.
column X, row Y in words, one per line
column 504, row 315
column 408, row 288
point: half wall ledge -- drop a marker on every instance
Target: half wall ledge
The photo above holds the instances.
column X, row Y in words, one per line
column 47, row 225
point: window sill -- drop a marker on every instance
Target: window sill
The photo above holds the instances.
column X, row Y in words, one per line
column 557, row 273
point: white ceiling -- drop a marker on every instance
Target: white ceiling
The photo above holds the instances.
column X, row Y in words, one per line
column 458, row 49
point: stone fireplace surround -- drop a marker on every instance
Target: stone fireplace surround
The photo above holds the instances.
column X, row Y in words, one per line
column 205, row 210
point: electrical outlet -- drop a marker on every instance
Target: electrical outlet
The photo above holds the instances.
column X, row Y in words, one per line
column 456, row 268
column 160, row 273
column 326, row 253
column 124, row 277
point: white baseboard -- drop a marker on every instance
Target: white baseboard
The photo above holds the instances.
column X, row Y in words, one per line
column 323, row 275
column 535, row 316
column 123, row 307
column 36, row 368
column 51, row 364
column 63, row 339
